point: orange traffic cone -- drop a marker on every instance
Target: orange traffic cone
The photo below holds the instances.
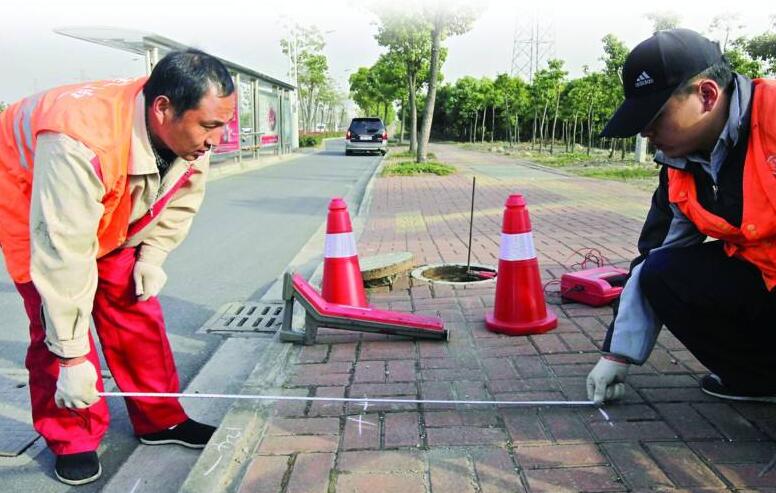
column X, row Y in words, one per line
column 519, row 307
column 342, row 282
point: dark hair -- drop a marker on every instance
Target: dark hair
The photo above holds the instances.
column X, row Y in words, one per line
column 720, row 72
column 184, row 77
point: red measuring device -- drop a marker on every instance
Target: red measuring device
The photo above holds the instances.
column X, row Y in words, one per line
column 594, row 287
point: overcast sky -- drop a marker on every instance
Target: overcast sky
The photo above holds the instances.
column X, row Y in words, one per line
column 35, row 58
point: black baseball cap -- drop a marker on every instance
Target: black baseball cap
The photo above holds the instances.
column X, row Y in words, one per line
column 651, row 73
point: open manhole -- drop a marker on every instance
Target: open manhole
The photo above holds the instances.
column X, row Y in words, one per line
column 456, row 274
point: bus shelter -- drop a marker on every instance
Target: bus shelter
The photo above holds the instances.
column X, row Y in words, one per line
column 265, row 120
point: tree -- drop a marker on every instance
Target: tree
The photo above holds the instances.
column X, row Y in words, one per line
column 485, row 89
column 519, row 103
column 546, row 88
column 556, row 66
column 3, row 105
column 763, row 47
column 592, row 102
column 511, row 96
column 407, row 37
column 388, row 76
column 501, row 93
column 377, row 88
column 331, row 101
column 465, row 102
column 742, row 62
column 304, row 48
column 664, row 20
column 301, row 41
column 575, row 109
column 725, row 25
column 363, row 92
column 615, row 53
column 445, row 20
column 313, row 77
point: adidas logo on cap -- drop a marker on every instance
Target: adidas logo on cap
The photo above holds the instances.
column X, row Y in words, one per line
column 644, row 79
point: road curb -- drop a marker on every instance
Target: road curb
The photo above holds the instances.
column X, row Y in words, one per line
column 230, row 448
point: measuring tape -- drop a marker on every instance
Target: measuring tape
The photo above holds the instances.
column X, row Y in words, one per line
column 363, row 400
column 366, row 401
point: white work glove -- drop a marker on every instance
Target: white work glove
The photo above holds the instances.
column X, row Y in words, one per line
column 149, row 280
column 77, row 386
column 605, row 382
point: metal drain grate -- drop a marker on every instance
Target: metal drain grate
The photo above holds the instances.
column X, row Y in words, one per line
column 246, row 317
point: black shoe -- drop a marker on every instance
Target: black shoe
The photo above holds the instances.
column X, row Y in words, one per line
column 77, row 469
column 189, row 434
column 711, row 384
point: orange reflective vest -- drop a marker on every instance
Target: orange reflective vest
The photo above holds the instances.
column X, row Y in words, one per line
column 755, row 240
column 97, row 114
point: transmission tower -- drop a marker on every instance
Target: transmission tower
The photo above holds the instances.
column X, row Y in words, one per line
column 533, row 44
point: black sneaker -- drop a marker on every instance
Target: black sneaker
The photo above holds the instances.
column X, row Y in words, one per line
column 77, row 469
column 711, row 384
column 189, row 434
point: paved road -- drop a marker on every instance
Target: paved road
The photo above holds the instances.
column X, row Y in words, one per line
column 250, row 227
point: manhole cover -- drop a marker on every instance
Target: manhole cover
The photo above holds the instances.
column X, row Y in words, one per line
column 384, row 269
column 246, row 317
column 457, row 274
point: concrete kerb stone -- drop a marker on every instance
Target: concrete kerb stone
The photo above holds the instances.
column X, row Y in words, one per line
column 225, row 372
column 223, row 461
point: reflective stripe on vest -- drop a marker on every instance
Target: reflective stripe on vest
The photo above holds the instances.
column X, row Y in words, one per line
column 518, row 246
column 22, row 130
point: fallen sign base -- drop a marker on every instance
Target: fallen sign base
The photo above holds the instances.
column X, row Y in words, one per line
column 321, row 313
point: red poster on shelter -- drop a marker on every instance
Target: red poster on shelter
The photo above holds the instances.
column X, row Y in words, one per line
column 230, row 141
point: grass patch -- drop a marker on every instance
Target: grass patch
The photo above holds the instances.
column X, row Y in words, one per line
column 408, row 154
column 621, row 173
column 557, row 159
column 410, row 168
column 597, row 164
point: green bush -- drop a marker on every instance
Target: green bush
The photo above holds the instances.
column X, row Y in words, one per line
column 314, row 139
column 310, row 140
column 409, row 168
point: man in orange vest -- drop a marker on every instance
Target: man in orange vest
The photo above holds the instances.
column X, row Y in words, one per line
column 716, row 138
column 99, row 182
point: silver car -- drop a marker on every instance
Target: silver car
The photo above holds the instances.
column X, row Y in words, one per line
column 366, row 135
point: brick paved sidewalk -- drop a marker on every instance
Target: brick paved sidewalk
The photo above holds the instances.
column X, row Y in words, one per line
column 665, row 435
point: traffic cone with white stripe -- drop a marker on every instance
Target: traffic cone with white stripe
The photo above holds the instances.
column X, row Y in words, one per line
column 342, row 282
column 519, row 308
